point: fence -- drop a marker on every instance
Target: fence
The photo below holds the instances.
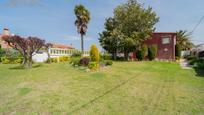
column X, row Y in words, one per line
column 56, row 52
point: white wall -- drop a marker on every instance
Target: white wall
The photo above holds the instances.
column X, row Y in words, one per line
column 185, row 53
column 42, row 57
column 54, row 53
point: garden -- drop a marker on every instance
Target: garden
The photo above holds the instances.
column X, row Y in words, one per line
column 147, row 87
column 102, row 82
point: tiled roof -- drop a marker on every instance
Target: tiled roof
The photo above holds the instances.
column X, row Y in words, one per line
column 62, row 46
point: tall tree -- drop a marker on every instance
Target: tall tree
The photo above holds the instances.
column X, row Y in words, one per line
column 183, row 38
column 110, row 38
column 135, row 23
column 27, row 47
column 83, row 18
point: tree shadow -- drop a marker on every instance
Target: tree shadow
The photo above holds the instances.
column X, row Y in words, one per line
column 37, row 65
column 20, row 67
column 199, row 72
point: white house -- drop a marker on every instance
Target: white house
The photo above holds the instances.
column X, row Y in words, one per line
column 54, row 52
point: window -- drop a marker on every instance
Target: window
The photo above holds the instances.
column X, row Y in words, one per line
column 165, row 40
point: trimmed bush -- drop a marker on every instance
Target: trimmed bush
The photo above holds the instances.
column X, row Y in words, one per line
column 84, row 61
column 93, row 65
column 152, row 52
column 139, row 55
column 53, row 60
column 106, row 56
column 144, row 51
column 64, row 58
column 5, row 60
column 75, row 61
column 18, row 61
column 178, row 51
column 108, row 62
column 94, row 54
column 11, row 60
column 10, row 56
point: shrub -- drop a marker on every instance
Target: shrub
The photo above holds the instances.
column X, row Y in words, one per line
column 178, row 51
column 75, row 61
column 93, row 65
column 53, row 60
column 5, row 60
column 18, row 61
column 2, row 53
column 152, row 52
column 10, row 56
column 11, row 60
column 139, row 55
column 106, row 56
column 144, row 51
column 108, row 62
column 200, row 63
column 64, row 58
column 84, row 61
column 192, row 61
column 191, row 58
column 94, row 53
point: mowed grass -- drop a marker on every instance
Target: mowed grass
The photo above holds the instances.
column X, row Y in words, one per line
column 151, row 88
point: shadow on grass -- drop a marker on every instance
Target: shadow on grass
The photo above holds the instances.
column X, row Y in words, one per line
column 38, row 65
column 20, row 67
column 199, row 72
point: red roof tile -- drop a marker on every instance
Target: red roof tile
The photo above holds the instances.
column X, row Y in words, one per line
column 62, row 46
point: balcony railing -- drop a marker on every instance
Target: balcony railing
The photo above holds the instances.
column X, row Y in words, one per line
column 65, row 52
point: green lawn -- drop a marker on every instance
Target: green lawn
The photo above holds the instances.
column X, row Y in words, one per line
column 150, row 88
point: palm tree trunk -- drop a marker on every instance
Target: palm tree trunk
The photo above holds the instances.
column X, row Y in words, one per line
column 82, row 44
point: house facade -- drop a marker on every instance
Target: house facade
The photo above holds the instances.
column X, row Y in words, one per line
column 165, row 42
column 4, row 44
column 198, row 51
column 56, row 51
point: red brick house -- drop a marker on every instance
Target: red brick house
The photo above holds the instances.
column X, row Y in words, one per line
column 165, row 42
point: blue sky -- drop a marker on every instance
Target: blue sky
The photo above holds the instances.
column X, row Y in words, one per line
column 53, row 20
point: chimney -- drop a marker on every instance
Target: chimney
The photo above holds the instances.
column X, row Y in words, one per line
column 6, row 32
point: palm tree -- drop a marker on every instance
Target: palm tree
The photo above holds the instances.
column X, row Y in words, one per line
column 183, row 39
column 83, row 17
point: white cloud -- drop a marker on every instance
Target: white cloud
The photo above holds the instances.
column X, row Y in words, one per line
column 73, row 38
